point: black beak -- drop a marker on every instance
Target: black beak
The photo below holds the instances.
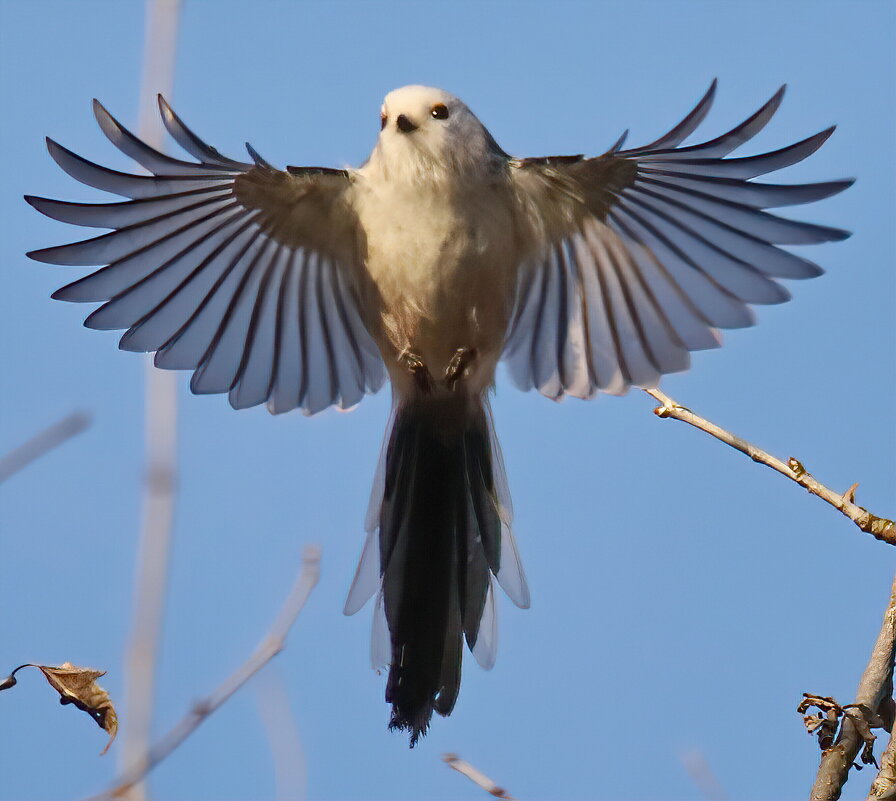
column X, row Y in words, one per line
column 404, row 124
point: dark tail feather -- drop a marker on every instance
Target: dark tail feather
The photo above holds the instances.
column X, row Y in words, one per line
column 440, row 534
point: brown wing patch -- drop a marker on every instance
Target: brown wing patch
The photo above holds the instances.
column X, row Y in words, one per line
column 585, row 187
column 549, row 161
column 602, row 180
column 300, row 208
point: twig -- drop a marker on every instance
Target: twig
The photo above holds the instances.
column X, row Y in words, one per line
column 475, row 776
column 41, row 443
column 283, row 736
column 151, row 579
column 878, row 527
column 266, row 650
column 701, row 774
column 875, row 691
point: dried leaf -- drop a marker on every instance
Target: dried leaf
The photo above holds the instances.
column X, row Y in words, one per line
column 860, row 715
column 872, row 719
column 863, row 718
column 813, row 722
column 77, row 685
column 825, row 726
column 823, row 702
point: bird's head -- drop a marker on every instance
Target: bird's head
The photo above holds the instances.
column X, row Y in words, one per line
column 426, row 132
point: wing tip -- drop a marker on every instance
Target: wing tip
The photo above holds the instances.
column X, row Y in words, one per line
column 62, row 293
column 810, row 270
column 838, row 234
column 53, row 147
column 43, row 205
column 257, row 158
column 43, row 255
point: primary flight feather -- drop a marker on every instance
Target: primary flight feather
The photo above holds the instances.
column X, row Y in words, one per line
column 430, row 263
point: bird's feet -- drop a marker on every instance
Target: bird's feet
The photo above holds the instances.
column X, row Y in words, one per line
column 419, row 370
column 454, row 372
column 458, row 365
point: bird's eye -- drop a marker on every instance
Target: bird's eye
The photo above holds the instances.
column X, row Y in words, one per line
column 440, row 111
column 383, row 120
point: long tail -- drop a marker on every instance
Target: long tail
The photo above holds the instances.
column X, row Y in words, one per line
column 440, row 541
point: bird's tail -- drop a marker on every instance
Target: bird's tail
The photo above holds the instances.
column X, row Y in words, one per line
column 442, row 525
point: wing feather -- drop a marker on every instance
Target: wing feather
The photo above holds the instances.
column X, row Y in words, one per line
column 245, row 274
column 645, row 252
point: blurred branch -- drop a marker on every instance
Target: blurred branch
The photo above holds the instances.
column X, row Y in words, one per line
column 701, row 774
column 875, row 692
column 475, row 776
column 283, row 736
column 267, row 649
column 51, row 437
column 160, row 413
column 878, row 527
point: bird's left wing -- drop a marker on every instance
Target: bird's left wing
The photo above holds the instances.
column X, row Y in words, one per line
column 640, row 255
column 241, row 272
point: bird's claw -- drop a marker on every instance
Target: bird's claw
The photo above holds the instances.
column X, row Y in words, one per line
column 457, row 366
column 419, row 370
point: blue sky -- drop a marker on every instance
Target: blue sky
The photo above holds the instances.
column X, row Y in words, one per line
column 683, row 598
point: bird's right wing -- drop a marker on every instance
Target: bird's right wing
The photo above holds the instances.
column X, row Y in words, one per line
column 241, row 272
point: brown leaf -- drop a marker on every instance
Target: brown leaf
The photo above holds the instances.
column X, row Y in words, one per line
column 823, row 702
column 77, row 685
column 862, row 719
column 824, row 727
column 813, row 722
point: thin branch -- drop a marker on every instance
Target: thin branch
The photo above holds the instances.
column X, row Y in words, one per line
column 290, row 770
column 701, row 774
column 875, row 691
column 879, row 527
column 51, row 437
column 160, row 427
column 475, row 776
column 273, row 643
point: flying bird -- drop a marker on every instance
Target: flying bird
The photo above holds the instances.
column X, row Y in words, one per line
column 437, row 258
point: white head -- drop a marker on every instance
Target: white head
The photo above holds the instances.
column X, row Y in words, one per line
column 427, row 133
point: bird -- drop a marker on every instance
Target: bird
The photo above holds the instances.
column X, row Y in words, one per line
column 439, row 257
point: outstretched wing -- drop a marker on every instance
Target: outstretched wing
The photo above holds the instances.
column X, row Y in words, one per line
column 241, row 272
column 644, row 253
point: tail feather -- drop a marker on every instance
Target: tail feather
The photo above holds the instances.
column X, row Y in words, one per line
column 439, row 538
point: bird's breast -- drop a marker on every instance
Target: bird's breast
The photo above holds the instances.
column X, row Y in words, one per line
column 443, row 265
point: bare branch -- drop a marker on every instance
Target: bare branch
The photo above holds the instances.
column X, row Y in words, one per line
column 267, row 649
column 475, row 776
column 878, row 527
column 875, row 692
column 701, row 774
column 884, row 786
column 41, row 443
column 283, row 735
column 160, row 433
